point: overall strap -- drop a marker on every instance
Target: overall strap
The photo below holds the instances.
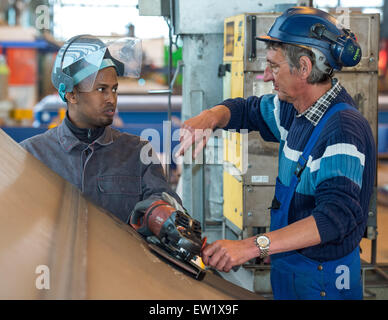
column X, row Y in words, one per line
column 302, row 161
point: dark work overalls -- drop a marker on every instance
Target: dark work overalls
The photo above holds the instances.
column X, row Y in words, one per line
column 294, row 276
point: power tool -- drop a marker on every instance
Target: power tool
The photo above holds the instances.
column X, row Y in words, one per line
column 170, row 232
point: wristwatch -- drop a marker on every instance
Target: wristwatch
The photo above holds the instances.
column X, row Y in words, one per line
column 263, row 242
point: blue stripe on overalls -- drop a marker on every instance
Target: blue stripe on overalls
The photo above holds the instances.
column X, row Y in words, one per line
column 294, row 276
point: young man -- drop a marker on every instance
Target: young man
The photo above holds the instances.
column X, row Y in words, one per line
column 327, row 161
column 104, row 163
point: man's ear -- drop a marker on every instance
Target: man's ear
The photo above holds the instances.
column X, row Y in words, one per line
column 305, row 67
column 71, row 97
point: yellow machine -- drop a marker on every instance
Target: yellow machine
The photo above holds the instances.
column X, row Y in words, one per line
column 250, row 164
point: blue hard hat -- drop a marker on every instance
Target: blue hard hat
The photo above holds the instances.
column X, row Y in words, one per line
column 314, row 28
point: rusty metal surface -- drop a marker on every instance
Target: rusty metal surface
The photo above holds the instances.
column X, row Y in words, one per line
column 89, row 254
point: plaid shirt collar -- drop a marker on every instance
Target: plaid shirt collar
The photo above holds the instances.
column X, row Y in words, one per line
column 316, row 111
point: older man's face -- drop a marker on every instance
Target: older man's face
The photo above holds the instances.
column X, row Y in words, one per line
column 278, row 71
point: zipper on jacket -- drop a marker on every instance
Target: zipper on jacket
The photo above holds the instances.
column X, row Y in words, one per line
column 87, row 157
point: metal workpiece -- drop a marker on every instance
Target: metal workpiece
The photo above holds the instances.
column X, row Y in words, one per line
column 68, row 251
column 55, row 244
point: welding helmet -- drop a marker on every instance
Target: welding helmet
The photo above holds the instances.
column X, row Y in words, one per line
column 82, row 56
column 316, row 30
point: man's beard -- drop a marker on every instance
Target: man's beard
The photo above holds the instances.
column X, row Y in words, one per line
column 106, row 122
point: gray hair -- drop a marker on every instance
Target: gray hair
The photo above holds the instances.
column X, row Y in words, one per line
column 321, row 72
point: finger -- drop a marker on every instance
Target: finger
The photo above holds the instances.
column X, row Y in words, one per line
column 201, row 138
column 207, row 252
column 202, row 141
column 181, row 150
column 216, row 257
column 184, row 146
column 186, row 141
column 229, row 265
column 223, row 262
column 198, row 147
column 190, row 136
column 185, row 131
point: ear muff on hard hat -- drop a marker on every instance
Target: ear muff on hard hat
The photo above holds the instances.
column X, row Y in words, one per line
column 344, row 48
column 81, row 57
column 314, row 28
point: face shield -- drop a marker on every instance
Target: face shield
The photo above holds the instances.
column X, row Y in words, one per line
column 81, row 57
column 128, row 54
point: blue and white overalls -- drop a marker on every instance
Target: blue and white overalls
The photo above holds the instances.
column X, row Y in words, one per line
column 294, row 276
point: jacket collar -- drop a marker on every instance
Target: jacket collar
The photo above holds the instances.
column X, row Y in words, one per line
column 68, row 140
column 315, row 112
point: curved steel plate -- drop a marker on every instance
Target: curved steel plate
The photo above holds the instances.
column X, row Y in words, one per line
column 54, row 244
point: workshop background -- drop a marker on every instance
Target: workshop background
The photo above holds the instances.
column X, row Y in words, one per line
column 195, row 54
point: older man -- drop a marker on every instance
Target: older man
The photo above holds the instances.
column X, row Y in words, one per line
column 326, row 161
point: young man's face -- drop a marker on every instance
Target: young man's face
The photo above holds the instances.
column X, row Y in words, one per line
column 278, row 71
column 96, row 108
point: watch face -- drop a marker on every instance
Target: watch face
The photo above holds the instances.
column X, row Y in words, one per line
column 262, row 241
